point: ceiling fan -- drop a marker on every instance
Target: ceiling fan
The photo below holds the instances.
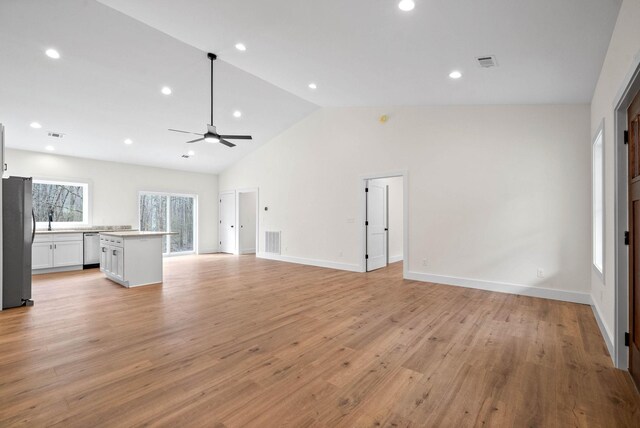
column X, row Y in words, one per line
column 212, row 136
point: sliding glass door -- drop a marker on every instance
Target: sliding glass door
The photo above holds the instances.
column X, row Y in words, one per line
column 166, row 212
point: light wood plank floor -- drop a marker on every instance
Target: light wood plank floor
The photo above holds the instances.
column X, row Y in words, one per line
column 238, row 341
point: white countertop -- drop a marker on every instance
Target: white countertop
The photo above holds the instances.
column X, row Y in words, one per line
column 135, row 233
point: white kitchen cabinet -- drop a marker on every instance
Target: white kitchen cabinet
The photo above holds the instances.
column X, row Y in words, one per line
column 67, row 253
column 105, row 259
column 42, row 255
column 53, row 252
column 117, row 262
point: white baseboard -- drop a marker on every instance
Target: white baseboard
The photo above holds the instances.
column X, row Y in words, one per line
column 247, row 251
column 503, row 287
column 606, row 334
column 394, row 259
column 310, row 262
column 500, row 287
column 57, row 269
column 208, row 251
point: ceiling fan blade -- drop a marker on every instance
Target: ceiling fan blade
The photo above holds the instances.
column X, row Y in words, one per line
column 237, row 137
column 226, row 143
column 195, row 141
column 184, row 132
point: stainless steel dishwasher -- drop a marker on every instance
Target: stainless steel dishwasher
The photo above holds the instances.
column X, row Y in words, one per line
column 91, row 250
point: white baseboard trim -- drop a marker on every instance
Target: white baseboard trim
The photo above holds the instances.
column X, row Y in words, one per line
column 57, row 269
column 310, row 262
column 606, row 334
column 208, row 251
column 247, row 251
column 393, row 259
column 503, row 287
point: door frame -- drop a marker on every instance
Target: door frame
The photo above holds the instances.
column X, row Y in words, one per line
column 255, row 190
column 235, row 203
column 630, row 86
column 405, row 216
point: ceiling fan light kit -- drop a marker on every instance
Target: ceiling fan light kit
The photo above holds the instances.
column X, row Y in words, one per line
column 212, row 136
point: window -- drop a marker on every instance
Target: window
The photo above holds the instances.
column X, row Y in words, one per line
column 170, row 213
column 598, row 201
column 68, row 203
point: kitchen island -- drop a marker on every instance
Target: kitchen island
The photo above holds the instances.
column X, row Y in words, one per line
column 132, row 258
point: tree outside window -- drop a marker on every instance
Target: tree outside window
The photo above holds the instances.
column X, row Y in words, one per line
column 67, row 202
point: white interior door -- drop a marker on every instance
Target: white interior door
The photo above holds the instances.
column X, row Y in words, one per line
column 376, row 226
column 247, row 222
column 228, row 222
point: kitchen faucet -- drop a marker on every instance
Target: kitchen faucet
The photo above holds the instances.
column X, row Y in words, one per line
column 50, row 217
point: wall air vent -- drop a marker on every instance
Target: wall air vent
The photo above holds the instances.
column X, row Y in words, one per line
column 272, row 242
column 487, row 61
column 56, row 134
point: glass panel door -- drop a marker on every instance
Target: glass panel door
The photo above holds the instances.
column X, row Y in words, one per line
column 153, row 214
column 162, row 212
column 181, row 222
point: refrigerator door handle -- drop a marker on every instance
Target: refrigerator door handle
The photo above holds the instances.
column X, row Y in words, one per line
column 33, row 233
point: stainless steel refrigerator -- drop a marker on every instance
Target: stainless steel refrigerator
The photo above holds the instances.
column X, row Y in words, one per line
column 19, row 227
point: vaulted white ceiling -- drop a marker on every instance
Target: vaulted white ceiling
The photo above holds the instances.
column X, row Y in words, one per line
column 106, row 86
column 370, row 53
column 117, row 54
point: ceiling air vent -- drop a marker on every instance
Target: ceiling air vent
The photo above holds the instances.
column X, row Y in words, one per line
column 487, row 61
column 185, row 156
column 56, row 134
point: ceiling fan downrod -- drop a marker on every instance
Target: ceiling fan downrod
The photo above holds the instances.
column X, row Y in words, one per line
column 212, row 57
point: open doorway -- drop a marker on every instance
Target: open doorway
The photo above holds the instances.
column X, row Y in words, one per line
column 238, row 214
column 384, row 223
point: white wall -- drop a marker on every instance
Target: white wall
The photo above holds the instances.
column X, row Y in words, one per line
column 247, row 219
column 114, row 188
column 1, row 237
column 495, row 192
column 396, row 218
column 623, row 48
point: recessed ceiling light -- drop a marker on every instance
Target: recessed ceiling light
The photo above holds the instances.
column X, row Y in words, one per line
column 52, row 53
column 313, row 86
column 191, row 153
column 406, row 5
column 128, row 142
column 166, row 90
column 35, row 125
column 50, row 148
column 455, row 74
column 237, row 114
column 241, row 47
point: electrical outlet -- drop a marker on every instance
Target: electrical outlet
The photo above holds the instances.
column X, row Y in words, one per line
column 424, row 262
column 340, row 254
column 540, row 273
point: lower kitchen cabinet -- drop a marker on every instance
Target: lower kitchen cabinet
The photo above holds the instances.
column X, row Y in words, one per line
column 41, row 255
column 117, row 262
column 52, row 251
column 112, row 257
column 67, row 253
